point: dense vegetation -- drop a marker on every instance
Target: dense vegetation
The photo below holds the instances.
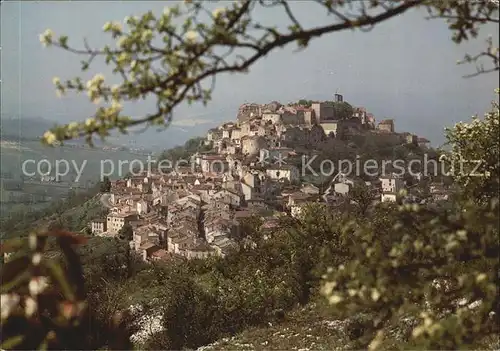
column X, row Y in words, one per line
column 401, row 262
column 75, row 211
column 185, row 151
column 427, row 273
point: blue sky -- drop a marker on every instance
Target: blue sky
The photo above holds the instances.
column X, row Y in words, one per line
column 404, row 69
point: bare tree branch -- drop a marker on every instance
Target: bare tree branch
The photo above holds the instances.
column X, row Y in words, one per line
column 195, row 51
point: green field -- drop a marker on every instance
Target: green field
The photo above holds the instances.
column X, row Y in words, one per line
column 90, row 161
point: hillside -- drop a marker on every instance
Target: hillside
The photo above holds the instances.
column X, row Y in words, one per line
column 75, row 213
column 307, row 328
column 314, row 327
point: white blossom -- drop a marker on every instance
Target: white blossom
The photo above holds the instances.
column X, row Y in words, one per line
column 375, row 295
column 37, row 258
column 89, row 122
column 37, row 285
column 72, row 126
column 49, row 137
column 218, row 12
column 30, row 306
column 8, row 302
column 116, row 106
column 46, row 37
column 335, row 299
column 32, row 240
column 191, row 36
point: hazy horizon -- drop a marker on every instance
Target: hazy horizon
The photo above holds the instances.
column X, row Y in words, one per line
column 405, row 69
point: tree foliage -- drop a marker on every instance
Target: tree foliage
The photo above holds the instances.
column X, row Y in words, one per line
column 362, row 197
column 342, row 110
column 44, row 302
column 438, row 268
column 304, row 102
column 105, row 186
column 474, row 157
column 126, row 232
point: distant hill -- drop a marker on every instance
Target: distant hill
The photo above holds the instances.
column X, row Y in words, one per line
column 32, row 128
column 23, row 128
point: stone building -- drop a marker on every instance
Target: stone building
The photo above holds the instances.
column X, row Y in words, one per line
column 307, row 115
column 360, row 113
column 289, row 116
column 214, row 135
column 236, row 135
column 386, row 125
column 323, row 110
column 250, row 145
column 248, row 111
column 271, row 117
column 213, row 164
column 331, row 127
column 284, row 172
column 98, row 226
column 273, row 106
column 409, row 138
column 116, row 221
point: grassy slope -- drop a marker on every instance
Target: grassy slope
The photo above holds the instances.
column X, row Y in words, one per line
column 308, row 328
column 314, row 327
column 76, row 215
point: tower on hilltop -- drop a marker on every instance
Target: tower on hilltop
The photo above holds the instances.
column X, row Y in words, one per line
column 338, row 97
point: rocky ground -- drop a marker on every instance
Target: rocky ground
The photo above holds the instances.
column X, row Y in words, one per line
column 303, row 329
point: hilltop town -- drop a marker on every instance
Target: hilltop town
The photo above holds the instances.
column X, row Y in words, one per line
column 251, row 167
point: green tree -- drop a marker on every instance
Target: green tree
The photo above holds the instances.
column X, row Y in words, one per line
column 436, row 267
column 474, row 155
column 306, row 103
column 126, row 232
column 362, row 197
column 193, row 144
column 105, row 186
column 343, row 110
